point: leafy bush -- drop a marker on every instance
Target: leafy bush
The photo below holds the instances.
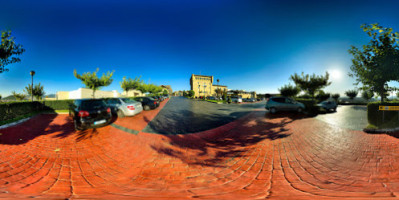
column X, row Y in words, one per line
column 289, row 90
column 382, row 119
column 310, row 106
column 56, row 104
column 322, row 96
column 15, row 109
column 351, row 93
column 12, row 110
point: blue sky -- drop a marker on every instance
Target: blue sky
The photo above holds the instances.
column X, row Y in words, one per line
column 250, row 45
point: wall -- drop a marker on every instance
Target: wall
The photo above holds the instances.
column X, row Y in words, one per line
column 132, row 93
column 85, row 93
column 201, row 81
column 61, row 95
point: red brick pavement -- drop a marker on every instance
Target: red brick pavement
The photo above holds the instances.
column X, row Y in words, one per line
column 252, row 158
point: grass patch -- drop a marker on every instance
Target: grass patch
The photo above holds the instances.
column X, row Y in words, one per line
column 30, row 115
column 216, row 101
column 17, row 118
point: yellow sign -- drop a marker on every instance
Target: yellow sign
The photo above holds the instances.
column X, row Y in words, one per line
column 389, row 108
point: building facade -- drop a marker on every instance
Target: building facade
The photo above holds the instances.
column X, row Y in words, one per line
column 203, row 85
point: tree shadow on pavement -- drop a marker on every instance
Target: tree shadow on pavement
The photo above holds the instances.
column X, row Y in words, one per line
column 215, row 147
column 26, row 131
column 186, row 121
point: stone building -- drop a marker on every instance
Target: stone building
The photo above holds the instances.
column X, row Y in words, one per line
column 203, row 85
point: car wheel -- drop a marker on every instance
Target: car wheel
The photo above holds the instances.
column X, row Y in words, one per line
column 120, row 114
column 146, row 107
column 300, row 110
column 78, row 128
column 273, row 110
column 335, row 109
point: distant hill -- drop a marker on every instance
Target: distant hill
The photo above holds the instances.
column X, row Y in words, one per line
column 9, row 98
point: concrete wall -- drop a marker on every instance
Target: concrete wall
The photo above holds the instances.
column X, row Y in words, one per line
column 132, row 93
column 85, row 93
column 62, row 95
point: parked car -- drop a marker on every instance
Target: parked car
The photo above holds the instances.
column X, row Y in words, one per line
column 249, row 100
column 328, row 105
column 236, row 99
column 89, row 113
column 211, row 98
column 147, row 102
column 124, row 106
column 275, row 104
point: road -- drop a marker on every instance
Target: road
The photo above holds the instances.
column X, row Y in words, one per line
column 181, row 115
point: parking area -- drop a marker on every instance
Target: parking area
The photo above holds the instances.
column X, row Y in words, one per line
column 255, row 155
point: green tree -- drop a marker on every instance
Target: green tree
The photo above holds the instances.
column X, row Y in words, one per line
column 131, row 84
column 92, row 81
column 153, row 89
column 219, row 92
column 225, row 94
column 38, row 91
column 9, row 50
column 367, row 95
column 335, row 97
column 289, row 90
column 378, row 62
column 310, row 83
column 351, row 94
column 322, row 96
column 165, row 92
column 191, row 93
column 17, row 96
column 0, row 96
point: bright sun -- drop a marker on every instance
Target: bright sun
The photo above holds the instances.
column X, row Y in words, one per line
column 335, row 74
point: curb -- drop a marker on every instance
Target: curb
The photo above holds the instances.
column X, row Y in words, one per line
column 370, row 130
column 16, row 123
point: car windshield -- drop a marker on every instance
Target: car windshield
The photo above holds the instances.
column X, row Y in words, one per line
column 127, row 100
column 92, row 104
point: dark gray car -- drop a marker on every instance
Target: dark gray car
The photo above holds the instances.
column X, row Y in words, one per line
column 275, row 104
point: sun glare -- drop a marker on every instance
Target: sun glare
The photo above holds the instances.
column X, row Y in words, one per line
column 335, row 74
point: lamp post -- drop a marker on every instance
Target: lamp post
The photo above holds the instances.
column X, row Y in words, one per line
column 32, row 73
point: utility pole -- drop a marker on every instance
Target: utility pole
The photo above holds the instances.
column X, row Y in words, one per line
column 32, row 73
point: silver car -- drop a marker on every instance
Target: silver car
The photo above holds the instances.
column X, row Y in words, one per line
column 124, row 106
column 275, row 104
column 328, row 105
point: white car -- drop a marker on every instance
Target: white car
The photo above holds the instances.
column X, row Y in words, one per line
column 236, row 99
column 328, row 105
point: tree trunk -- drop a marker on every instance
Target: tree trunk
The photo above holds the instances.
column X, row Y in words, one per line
column 94, row 93
column 382, row 95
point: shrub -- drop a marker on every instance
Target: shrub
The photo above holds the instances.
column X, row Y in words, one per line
column 57, row 104
column 380, row 118
column 12, row 110
column 351, row 94
column 310, row 106
column 289, row 90
column 15, row 109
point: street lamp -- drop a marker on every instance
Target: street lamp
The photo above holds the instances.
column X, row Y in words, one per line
column 32, row 73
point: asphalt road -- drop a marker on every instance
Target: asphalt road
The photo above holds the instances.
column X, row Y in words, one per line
column 181, row 116
column 351, row 117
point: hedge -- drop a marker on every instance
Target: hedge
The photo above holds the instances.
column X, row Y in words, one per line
column 382, row 119
column 310, row 105
column 12, row 110
column 57, row 104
